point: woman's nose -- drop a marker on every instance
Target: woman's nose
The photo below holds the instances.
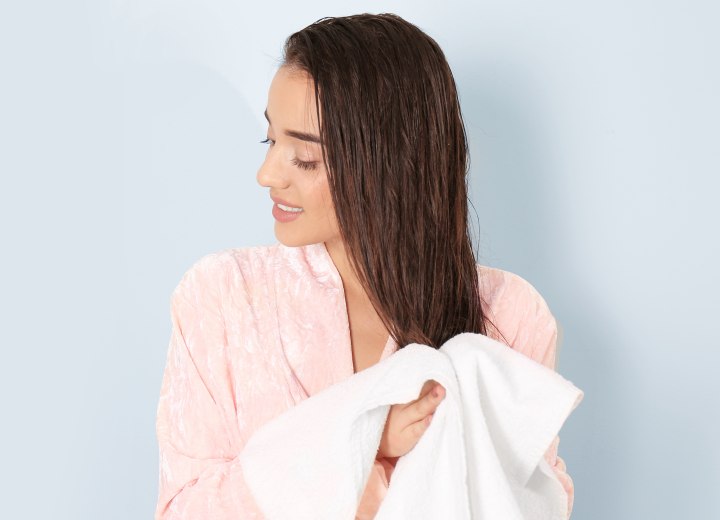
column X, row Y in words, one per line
column 270, row 174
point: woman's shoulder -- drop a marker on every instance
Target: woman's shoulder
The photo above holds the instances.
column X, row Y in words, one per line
column 498, row 285
column 228, row 267
column 519, row 313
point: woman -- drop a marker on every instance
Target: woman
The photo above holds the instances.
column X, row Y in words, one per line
column 367, row 165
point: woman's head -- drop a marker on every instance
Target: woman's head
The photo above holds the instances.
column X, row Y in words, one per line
column 390, row 178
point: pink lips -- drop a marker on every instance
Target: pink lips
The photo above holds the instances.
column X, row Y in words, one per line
column 282, row 215
column 283, row 202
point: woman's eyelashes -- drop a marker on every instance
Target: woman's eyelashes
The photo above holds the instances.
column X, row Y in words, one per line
column 297, row 162
column 304, row 165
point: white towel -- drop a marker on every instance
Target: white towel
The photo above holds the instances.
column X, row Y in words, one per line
column 481, row 458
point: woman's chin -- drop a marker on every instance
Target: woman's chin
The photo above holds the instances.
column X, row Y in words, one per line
column 296, row 237
column 288, row 237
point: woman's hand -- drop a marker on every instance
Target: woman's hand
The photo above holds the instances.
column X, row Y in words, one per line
column 407, row 422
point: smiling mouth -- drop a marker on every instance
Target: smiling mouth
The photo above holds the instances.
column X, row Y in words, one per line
column 289, row 209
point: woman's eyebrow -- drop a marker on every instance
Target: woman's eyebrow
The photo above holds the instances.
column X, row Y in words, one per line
column 311, row 138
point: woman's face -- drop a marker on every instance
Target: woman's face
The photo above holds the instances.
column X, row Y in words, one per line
column 293, row 167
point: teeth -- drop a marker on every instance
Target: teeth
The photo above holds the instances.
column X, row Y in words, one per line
column 289, row 208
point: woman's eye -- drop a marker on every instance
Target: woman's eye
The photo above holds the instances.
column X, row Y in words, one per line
column 304, row 165
column 297, row 162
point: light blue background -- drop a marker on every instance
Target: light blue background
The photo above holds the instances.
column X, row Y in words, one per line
column 129, row 146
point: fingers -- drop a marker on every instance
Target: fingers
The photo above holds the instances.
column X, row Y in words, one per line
column 426, row 404
column 429, row 385
column 406, row 423
column 418, row 428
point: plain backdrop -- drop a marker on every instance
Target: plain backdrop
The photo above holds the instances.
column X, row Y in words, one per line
column 129, row 144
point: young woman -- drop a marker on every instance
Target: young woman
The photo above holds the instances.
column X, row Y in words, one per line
column 367, row 164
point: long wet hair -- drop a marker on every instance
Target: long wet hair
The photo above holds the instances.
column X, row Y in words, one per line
column 396, row 155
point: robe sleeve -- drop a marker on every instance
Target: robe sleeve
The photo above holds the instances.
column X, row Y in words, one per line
column 197, row 429
column 527, row 322
column 546, row 353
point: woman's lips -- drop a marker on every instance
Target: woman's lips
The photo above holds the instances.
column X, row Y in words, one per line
column 283, row 202
column 284, row 216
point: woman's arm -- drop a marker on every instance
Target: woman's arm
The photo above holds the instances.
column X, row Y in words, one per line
column 525, row 319
column 548, row 357
column 198, row 436
column 375, row 490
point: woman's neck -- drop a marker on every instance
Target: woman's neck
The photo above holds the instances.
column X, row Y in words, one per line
column 365, row 323
column 351, row 284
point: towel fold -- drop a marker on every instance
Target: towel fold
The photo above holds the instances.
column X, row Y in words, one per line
column 481, row 458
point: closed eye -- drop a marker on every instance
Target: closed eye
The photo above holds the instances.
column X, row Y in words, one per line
column 304, row 165
column 297, row 162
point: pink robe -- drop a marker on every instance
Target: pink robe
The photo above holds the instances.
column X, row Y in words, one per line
column 255, row 331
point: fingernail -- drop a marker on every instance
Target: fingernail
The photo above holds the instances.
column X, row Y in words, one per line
column 436, row 392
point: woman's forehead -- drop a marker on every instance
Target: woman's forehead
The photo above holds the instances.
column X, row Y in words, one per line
column 291, row 101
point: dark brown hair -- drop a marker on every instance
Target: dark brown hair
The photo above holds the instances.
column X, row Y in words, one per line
column 396, row 153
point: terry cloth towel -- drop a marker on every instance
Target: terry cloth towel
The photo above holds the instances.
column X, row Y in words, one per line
column 481, row 458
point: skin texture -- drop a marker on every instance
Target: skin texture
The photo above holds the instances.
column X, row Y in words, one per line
column 291, row 107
